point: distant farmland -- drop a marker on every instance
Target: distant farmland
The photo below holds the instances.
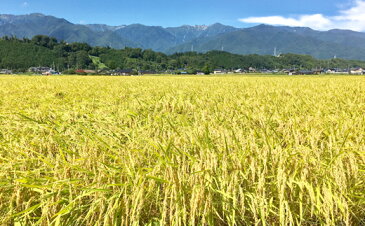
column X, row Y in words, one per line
column 182, row 151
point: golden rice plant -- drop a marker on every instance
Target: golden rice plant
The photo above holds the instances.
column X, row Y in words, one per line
column 182, row 150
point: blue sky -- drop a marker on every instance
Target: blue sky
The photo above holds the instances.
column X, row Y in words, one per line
column 319, row 14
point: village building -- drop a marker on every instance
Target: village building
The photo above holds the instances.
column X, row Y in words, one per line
column 51, row 72
column 123, row 72
column 147, row 72
column 251, row 70
column 357, row 71
column 39, row 70
column 240, row 71
column 6, row 72
column 43, row 71
column 305, row 72
column 288, row 71
column 220, row 71
column 82, row 71
column 338, row 71
column 266, row 71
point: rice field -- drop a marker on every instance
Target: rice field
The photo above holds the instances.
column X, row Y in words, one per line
column 233, row 150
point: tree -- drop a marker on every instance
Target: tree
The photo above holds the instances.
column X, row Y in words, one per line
column 45, row 41
column 83, row 60
column 207, row 69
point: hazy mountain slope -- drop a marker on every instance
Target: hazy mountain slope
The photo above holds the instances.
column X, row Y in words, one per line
column 103, row 27
column 188, row 33
column 149, row 37
column 263, row 39
column 343, row 37
column 39, row 24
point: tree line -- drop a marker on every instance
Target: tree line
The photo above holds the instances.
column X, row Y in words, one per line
column 21, row 54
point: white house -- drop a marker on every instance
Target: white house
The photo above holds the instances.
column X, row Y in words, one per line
column 239, row 71
column 220, row 71
column 357, row 71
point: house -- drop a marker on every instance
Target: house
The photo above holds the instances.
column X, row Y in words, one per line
column 51, row 72
column 357, row 71
column 318, row 71
column 266, row 71
column 39, row 70
column 103, row 71
column 304, row 72
column 288, row 71
column 124, row 72
column 337, row 71
column 181, row 71
column 90, row 71
column 240, row 71
column 251, row 70
column 220, row 71
column 81, row 71
column 200, row 73
column 6, row 72
column 147, row 72
column 168, row 72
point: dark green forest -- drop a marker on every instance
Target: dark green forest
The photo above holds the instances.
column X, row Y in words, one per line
column 20, row 54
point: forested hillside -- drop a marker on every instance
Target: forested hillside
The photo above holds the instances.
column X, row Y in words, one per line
column 20, row 54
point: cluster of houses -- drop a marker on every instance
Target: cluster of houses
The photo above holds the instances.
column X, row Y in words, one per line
column 352, row 71
column 43, row 71
column 129, row 72
column 236, row 71
column 120, row 72
column 6, row 72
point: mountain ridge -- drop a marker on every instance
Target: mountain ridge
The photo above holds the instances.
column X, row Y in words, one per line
column 261, row 39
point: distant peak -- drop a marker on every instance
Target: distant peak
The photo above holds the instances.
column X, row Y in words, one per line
column 204, row 27
column 264, row 25
column 194, row 26
column 37, row 14
column 217, row 24
column 201, row 27
column 340, row 30
column 287, row 28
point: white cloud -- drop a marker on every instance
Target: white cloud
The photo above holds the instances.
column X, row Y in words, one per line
column 25, row 4
column 352, row 18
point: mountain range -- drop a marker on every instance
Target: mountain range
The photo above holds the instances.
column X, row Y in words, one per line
column 262, row 39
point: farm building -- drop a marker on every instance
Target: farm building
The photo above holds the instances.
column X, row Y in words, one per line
column 337, row 71
column 51, row 72
column 240, row 70
column 147, row 72
column 305, row 72
column 39, row 70
column 124, row 72
column 6, row 71
column 357, row 71
column 82, row 71
column 220, row 71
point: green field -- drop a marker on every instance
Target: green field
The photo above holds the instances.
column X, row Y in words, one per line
column 182, row 150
